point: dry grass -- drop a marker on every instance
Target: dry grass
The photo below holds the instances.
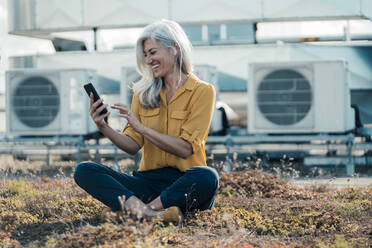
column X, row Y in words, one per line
column 253, row 209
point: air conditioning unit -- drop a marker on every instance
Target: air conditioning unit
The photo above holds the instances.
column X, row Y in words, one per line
column 48, row 102
column 299, row 97
column 207, row 73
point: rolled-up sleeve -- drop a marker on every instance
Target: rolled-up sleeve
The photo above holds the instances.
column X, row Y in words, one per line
column 195, row 128
column 128, row 130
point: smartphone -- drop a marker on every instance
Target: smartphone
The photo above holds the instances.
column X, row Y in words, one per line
column 89, row 88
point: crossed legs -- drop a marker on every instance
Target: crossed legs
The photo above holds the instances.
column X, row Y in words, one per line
column 147, row 194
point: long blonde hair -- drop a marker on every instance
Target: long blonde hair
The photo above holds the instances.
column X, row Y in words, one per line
column 167, row 33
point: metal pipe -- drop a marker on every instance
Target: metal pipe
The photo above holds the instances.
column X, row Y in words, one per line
column 350, row 168
column 95, row 38
column 297, row 39
column 250, row 139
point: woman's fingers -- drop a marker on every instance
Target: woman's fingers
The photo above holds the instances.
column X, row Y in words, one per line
column 94, row 105
column 100, row 118
column 122, row 108
column 120, row 105
column 91, row 98
column 91, row 104
column 96, row 115
column 126, row 116
column 95, row 111
column 99, row 110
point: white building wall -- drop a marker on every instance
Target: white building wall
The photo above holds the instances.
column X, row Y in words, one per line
column 45, row 16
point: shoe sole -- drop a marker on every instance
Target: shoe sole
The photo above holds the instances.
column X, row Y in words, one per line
column 173, row 214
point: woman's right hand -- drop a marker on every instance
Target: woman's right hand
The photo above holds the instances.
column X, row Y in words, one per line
column 94, row 112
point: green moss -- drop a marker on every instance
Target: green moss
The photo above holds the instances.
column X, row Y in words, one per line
column 354, row 208
column 338, row 242
column 10, row 204
column 9, row 220
column 19, row 188
column 253, row 209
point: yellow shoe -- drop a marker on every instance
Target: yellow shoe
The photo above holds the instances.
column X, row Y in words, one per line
column 173, row 214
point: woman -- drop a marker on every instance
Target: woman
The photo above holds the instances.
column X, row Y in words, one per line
column 169, row 119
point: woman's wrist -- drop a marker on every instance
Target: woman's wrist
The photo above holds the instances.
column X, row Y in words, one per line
column 142, row 129
column 102, row 127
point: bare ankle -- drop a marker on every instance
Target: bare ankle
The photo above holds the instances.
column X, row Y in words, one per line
column 156, row 204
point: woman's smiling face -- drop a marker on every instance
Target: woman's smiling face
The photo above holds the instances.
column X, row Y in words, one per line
column 159, row 58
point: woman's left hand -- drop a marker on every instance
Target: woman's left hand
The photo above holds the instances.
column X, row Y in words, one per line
column 125, row 112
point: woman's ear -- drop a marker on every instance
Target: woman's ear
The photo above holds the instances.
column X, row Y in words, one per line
column 175, row 48
column 174, row 51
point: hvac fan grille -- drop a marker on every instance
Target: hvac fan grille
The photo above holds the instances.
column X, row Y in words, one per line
column 284, row 97
column 36, row 102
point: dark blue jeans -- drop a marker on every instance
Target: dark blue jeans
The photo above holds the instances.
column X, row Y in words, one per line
column 190, row 190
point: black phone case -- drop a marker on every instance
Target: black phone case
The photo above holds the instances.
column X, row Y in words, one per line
column 90, row 88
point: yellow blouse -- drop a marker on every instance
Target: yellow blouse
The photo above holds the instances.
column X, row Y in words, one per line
column 187, row 115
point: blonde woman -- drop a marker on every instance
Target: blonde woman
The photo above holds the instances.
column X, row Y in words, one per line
column 169, row 120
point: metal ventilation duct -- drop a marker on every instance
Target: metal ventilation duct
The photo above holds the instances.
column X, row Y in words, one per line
column 41, row 17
